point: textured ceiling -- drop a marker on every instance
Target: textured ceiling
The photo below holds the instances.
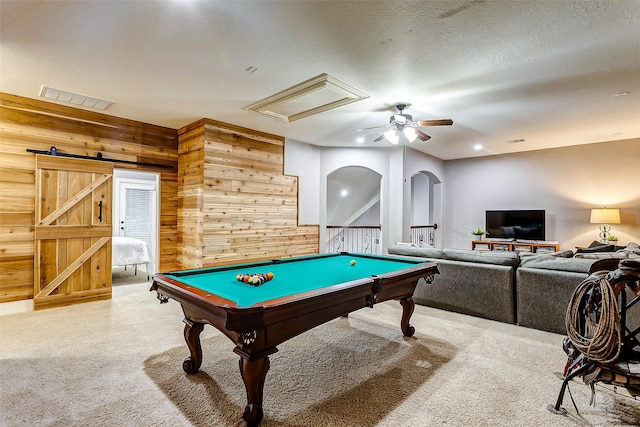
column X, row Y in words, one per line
column 542, row 71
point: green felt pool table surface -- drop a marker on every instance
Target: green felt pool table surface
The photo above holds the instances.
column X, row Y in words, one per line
column 291, row 276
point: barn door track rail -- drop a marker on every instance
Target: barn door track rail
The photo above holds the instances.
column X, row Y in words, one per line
column 54, row 152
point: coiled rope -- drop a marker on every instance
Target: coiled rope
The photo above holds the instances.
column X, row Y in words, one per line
column 598, row 314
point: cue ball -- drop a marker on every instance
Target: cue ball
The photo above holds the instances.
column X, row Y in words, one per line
column 353, row 262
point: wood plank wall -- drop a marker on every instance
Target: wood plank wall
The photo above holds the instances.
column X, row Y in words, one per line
column 33, row 124
column 236, row 205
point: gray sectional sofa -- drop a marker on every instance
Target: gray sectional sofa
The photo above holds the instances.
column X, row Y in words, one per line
column 545, row 284
column 531, row 290
column 470, row 282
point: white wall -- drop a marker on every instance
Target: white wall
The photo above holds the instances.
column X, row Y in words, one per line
column 303, row 160
column 566, row 182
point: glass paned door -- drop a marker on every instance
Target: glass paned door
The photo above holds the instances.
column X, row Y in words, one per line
column 137, row 211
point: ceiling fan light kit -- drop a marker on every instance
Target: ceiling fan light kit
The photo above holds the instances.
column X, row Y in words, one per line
column 393, row 135
column 402, row 126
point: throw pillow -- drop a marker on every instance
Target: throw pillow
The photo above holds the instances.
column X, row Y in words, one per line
column 597, row 247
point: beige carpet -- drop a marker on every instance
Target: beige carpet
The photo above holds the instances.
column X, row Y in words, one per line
column 128, row 275
column 119, row 363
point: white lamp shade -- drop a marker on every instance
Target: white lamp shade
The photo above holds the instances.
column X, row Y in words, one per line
column 605, row 216
column 410, row 134
column 392, row 136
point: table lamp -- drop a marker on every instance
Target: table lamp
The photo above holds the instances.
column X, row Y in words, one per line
column 604, row 217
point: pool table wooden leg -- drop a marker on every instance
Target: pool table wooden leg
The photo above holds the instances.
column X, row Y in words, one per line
column 192, row 330
column 407, row 310
column 254, row 372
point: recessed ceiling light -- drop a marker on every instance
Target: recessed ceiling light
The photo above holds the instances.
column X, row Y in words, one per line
column 477, row 147
column 360, row 140
column 621, row 94
column 344, row 193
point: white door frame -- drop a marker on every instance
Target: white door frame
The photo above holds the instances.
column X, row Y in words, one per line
column 123, row 179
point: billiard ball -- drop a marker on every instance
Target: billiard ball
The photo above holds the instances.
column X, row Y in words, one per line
column 353, row 262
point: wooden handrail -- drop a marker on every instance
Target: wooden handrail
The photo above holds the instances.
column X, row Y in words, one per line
column 434, row 226
column 355, row 226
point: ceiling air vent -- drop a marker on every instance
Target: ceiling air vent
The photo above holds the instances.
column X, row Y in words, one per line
column 305, row 99
column 74, row 98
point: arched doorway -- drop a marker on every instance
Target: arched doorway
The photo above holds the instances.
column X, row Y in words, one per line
column 353, row 210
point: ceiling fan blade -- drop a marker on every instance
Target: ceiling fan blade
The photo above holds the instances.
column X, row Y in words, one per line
column 441, row 122
column 373, row 127
column 422, row 136
column 379, row 138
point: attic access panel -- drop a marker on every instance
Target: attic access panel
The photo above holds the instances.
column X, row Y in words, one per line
column 313, row 96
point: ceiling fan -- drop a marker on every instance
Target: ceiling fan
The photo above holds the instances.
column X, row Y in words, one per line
column 402, row 126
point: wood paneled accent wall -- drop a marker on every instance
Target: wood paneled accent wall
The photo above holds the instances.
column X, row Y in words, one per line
column 33, row 124
column 236, row 205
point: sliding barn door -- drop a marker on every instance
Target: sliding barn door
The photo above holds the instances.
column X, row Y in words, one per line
column 72, row 231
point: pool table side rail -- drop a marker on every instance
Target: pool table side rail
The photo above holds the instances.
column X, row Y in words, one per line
column 395, row 289
column 232, row 306
column 167, row 283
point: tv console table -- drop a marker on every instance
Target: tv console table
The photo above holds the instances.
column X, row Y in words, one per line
column 514, row 246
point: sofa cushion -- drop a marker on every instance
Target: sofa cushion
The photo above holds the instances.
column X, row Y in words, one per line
column 406, row 244
column 565, row 253
column 485, row 257
column 408, row 250
column 601, row 255
column 550, row 262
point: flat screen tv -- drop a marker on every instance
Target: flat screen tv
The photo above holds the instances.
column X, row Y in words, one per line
column 516, row 224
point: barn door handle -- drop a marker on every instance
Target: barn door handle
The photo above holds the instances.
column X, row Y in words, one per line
column 100, row 213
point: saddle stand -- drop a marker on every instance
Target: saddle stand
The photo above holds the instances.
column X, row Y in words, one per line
column 618, row 362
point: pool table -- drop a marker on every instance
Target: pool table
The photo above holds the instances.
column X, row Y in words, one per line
column 305, row 292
